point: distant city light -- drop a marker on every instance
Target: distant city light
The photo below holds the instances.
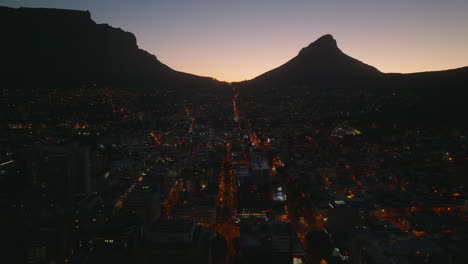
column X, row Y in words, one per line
column 7, row 162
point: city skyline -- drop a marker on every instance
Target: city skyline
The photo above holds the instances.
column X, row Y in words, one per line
column 239, row 41
column 107, row 155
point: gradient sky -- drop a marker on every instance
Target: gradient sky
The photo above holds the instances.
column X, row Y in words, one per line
column 234, row 40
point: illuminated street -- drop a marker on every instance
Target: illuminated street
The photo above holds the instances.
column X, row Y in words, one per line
column 111, row 153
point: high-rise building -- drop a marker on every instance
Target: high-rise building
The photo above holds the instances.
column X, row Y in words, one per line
column 55, row 174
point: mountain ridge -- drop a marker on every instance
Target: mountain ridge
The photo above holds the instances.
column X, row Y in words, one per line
column 321, row 62
column 59, row 45
column 62, row 45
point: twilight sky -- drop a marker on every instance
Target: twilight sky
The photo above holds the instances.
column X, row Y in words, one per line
column 234, row 40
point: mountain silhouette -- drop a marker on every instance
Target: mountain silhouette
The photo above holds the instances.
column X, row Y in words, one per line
column 42, row 45
column 322, row 67
column 322, row 62
column 438, row 96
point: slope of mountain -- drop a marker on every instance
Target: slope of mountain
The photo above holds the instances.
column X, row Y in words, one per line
column 321, row 75
column 68, row 46
column 320, row 63
column 433, row 96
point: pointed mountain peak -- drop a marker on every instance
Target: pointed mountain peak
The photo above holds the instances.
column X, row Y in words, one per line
column 326, row 42
column 320, row 62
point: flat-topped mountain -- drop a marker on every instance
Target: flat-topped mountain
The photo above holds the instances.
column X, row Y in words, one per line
column 57, row 45
column 54, row 46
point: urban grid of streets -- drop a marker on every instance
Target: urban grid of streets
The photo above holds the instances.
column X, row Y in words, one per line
column 172, row 137
column 227, row 221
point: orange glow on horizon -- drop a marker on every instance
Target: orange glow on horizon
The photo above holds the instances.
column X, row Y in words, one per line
column 243, row 63
column 240, row 40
